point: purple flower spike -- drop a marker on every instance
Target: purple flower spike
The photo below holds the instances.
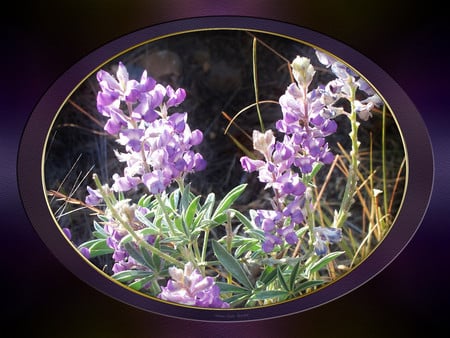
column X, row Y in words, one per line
column 189, row 287
column 157, row 144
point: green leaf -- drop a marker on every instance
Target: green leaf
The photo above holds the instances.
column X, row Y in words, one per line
column 281, row 279
column 186, row 197
column 308, row 284
column 145, row 200
column 100, row 248
column 209, row 205
column 231, row 264
column 250, row 245
column 144, row 220
column 243, row 219
column 322, row 262
column 225, row 287
column 268, row 275
column 229, row 198
column 199, row 222
column 99, row 231
column 129, row 275
column 140, row 283
column 293, row 275
column 256, row 233
column 237, row 299
column 189, row 213
column 136, row 254
column 220, row 219
column 316, row 168
column 174, row 200
column 268, row 294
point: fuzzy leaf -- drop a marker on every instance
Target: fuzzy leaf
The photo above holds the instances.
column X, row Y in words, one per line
column 268, row 275
column 140, row 283
column 243, row 219
column 282, row 279
column 129, row 275
column 225, row 287
column 308, row 284
column 293, row 275
column 268, row 294
column 228, row 200
column 322, row 262
column 100, row 248
column 231, row 264
column 189, row 213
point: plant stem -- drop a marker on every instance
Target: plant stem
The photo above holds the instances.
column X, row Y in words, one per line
column 352, row 177
column 383, row 156
column 141, row 242
column 166, row 215
column 255, row 85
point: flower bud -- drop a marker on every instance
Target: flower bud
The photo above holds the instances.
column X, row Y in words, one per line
column 303, row 71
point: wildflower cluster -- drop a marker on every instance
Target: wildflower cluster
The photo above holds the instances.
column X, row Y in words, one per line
column 157, row 153
column 160, row 244
column 158, row 145
column 308, row 118
column 306, row 121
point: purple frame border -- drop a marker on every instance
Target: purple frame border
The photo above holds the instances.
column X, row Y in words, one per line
column 409, row 218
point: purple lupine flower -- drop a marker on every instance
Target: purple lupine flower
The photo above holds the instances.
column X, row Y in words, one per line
column 346, row 80
column 189, row 287
column 175, row 97
column 158, row 144
column 94, row 197
column 306, row 121
column 124, row 183
column 122, row 259
column 324, row 236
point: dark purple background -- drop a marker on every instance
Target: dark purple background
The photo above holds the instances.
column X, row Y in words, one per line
column 42, row 41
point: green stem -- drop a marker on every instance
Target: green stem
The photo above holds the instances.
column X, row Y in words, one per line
column 141, row 242
column 255, row 85
column 352, row 178
column 205, row 245
column 166, row 215
column 383, row 156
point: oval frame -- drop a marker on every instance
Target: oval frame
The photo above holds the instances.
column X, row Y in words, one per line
column 420, row 170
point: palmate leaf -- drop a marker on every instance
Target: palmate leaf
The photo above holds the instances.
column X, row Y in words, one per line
column 231, row 264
